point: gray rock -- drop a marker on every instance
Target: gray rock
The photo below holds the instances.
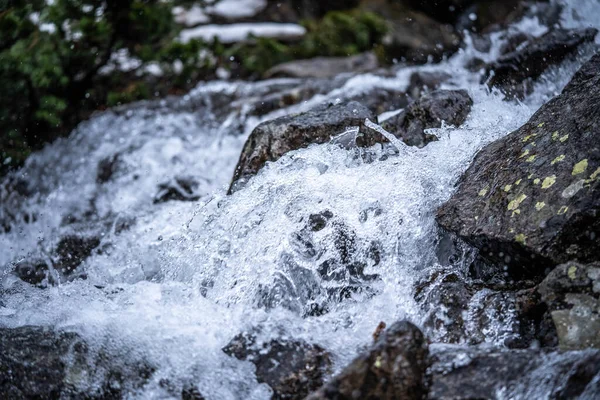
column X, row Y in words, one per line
column 478, row 373
column 325, row 67
column 449, row 106
column 514, row 73
column 393, row 368
column 530, row 201
column 292, row 369
column 272, row 139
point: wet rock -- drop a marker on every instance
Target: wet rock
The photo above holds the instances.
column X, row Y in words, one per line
column 393, row 368
column 416, row 38
column 292, row 369
column 344, row 268
column 107, row 168
column 181, row 188
column 60, row 264
column 449, row 106
column 571, row 293
column 530, row 201
column 515, row 72
column 491, row 15
column 324, row 67
column 272, row 139
column 42, row 363
column 297, row 10
column 443, row 10
column 459, row 310
column 72, row 250
column 33, row 270
column 380, row 100
column 423, row 82
column 479, row 373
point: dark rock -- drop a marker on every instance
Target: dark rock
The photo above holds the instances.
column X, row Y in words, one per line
column 191, row 392
column 450, row 106
column 61, row 264
column 40, row 363
column 380, row 100
column 571, row 293
column 515, row 42
column 178, row 189
column 459, row 310
column 316, row 222
column 298, row 10
column 416, row 38
column 292, row 369
column 491, row 15
column 530, row 201
column 393, row 368
column 514, row 73
column 441, row 10
column 423, row 82
column 107, row 168
column 71, row 251
column 325, row 67
column 272, row 139
column 33, row 271
column 478, row 373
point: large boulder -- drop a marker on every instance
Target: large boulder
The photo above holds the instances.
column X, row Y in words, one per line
column 41, row 363
column 300, row 367
column 272, row 139
column 514, row 73
column 449, row 106
column 531, row 200
column 479, row 373
column 394, row 368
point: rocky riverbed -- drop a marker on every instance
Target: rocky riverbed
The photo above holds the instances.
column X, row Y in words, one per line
column 392, row 232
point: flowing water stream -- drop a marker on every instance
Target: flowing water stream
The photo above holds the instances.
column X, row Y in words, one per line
column 186, row 277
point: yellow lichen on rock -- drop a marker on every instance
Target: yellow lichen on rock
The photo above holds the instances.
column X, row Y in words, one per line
column 563, row 210
column 580, row 167
column 548, row 182
column 564, row 138
column 558, row 159
column 513, row 205
column 539, row 205
column 521, row 238
column 531, row 158
column 507, row 188
column 572, row 272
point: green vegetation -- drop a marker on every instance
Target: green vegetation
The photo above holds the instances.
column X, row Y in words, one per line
column 52, row 58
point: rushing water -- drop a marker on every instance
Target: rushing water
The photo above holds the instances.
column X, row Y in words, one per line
column 186, row 277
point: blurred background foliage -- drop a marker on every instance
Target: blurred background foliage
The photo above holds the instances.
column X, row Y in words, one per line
column 55, row 60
